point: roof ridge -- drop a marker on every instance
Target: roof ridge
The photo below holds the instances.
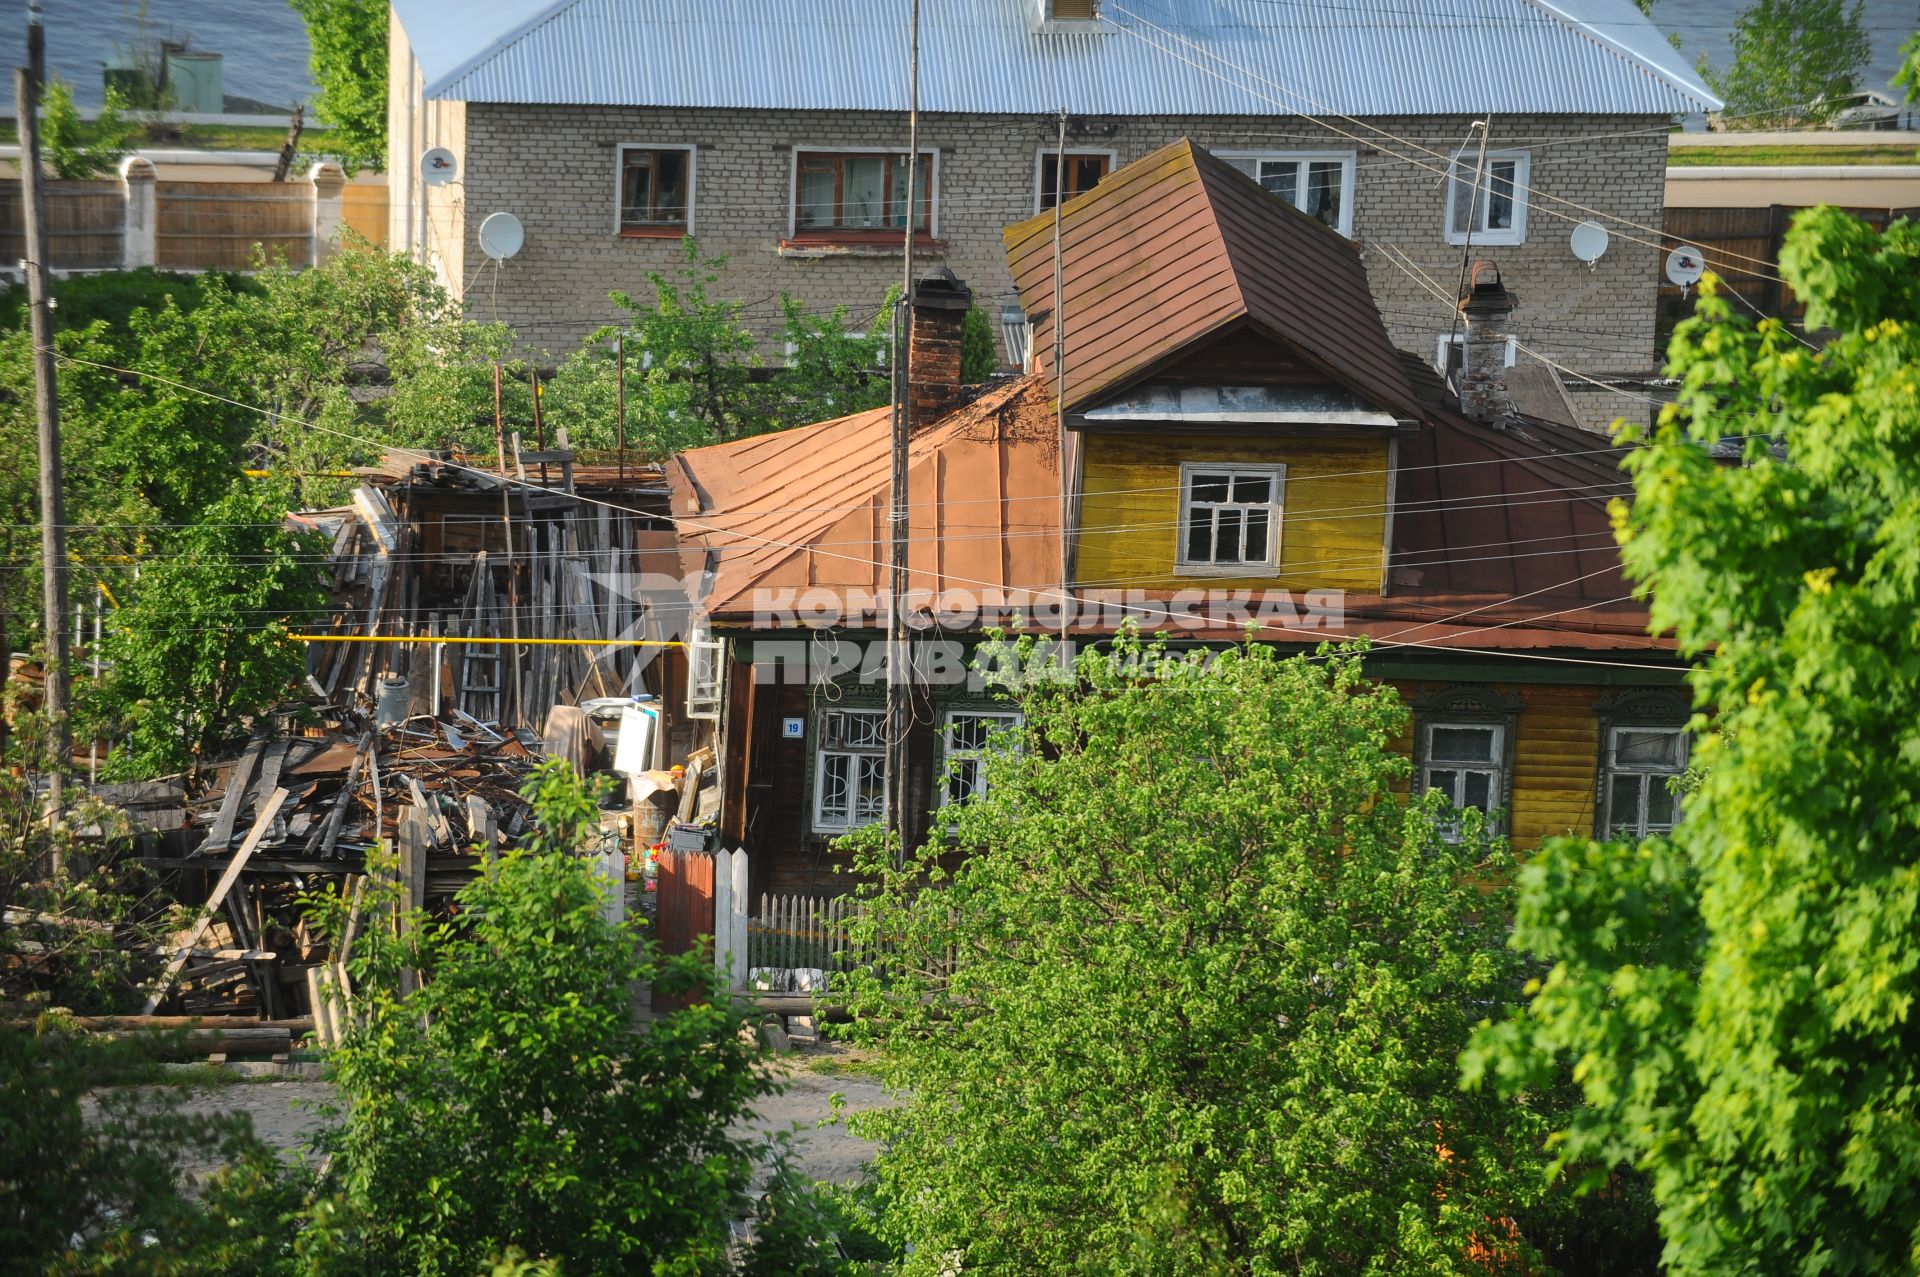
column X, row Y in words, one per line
column 498, row 46
column 1620, row 49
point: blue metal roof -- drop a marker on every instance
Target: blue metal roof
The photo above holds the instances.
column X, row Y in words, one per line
column 1144, row 57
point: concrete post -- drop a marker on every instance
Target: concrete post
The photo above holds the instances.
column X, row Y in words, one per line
column 139, row 236
column 329, row 186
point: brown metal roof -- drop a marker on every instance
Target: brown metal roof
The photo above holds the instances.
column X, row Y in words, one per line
column 807, row 508
column 1485, row 513
column 1501, row 537
column 1179, row 247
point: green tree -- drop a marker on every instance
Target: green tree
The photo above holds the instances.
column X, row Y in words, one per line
column 201, row 647
column 511, row 1100
column 90, row 1167
column 74, row 149
column 978, row 354
column 1793, row 61
column 1209, row 973
column 694, row 374
column 349, row 41
column 1739, row 999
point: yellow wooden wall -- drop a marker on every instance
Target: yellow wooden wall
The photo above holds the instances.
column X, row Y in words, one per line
column 1333, row 524
column 1556, row 759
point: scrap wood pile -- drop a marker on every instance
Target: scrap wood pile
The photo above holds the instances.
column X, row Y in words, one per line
column 292, row 817
column 428, row 738
column 430, row 552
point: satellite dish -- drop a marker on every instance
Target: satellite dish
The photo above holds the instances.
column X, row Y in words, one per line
column 1685, row 265
column 1589, row 242
column 438, row 167
column 501, row 236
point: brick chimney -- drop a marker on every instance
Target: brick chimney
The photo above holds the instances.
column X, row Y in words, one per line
column 940, row 305
column 1482, row 380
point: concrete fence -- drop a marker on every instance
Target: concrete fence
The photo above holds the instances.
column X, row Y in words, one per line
column 137, row 220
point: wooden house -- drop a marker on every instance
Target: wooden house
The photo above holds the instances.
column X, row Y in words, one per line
column 1228, row 438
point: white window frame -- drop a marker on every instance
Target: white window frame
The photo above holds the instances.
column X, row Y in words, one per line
column 1042, row 156
column 1346, row 160
column 619, row 184
column 1459, row 340
column 1461, row 170
column 706, row 674
column 822, row 148
column 1650, row 776
column 1005, row 720
column 1496, row 770
column 1276, row 518
column 826, row 744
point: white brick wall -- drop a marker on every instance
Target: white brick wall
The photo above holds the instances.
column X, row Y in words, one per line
column 554, row 167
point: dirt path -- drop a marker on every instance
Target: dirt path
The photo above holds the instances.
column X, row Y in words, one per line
column 284, row 1116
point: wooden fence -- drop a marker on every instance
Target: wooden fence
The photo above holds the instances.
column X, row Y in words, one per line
column 137, row 220
column 221, row 225
column 1742, row 247
column 86, row 225
column 802, row 931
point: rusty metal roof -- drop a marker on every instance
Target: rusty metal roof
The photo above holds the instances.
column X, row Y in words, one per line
column 807, row 508
column 1501, row 537
column 1179, row 248
column 1485, row 513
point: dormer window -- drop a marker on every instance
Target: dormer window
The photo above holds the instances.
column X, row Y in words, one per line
column 1061, row 16
column 1230, row 517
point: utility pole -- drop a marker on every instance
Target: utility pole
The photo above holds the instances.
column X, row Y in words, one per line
column 1060, row 376
column 899, row 654
column 46, row 405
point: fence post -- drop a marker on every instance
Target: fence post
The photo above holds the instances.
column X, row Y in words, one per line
column 140, row 231
column 737, row 920
column 723, row 906
column 329, row 187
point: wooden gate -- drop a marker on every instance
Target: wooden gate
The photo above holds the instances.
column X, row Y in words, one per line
column 683, row 899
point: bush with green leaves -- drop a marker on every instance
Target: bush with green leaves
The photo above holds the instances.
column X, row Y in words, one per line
column 694, row 374
column 1738, row 1000
column 1794, row 62
column 77, row 149
column 1191, row 1003
column 513, row 1099
column 201, row 646
column 349, row 43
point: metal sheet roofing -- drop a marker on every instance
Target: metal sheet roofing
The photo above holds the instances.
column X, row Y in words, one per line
column 807, row 508
column 1143, row 57
column 803, row 513
column 1179, row 248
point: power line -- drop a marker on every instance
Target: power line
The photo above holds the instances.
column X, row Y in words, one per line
column 1067, row 597
column 1325, row 112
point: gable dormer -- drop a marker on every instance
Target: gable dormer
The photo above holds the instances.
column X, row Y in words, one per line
column 1232, row 397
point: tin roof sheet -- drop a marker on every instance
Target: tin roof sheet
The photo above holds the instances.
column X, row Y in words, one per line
column 1201, row 57
column 1179, row 247
column 1501, row 537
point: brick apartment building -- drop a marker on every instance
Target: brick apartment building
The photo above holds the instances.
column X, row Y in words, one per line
column 774, row 133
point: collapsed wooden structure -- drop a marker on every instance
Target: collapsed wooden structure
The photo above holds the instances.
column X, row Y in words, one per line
column 467, row 607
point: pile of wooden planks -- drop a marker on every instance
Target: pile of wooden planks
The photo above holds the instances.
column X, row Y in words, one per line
column 290, row 818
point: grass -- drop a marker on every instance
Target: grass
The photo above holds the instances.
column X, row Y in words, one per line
column 843, row 1063
column 1786, row 155
column 203, row 137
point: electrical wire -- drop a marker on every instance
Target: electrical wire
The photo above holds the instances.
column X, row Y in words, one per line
column 1067, row 597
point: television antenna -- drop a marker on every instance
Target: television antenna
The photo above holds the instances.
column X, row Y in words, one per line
column 1685, row 265
column 501, row 236
column 1589, row 242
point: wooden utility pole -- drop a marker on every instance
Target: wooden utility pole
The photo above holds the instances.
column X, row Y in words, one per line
column 46, row 404
column 899, row 653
